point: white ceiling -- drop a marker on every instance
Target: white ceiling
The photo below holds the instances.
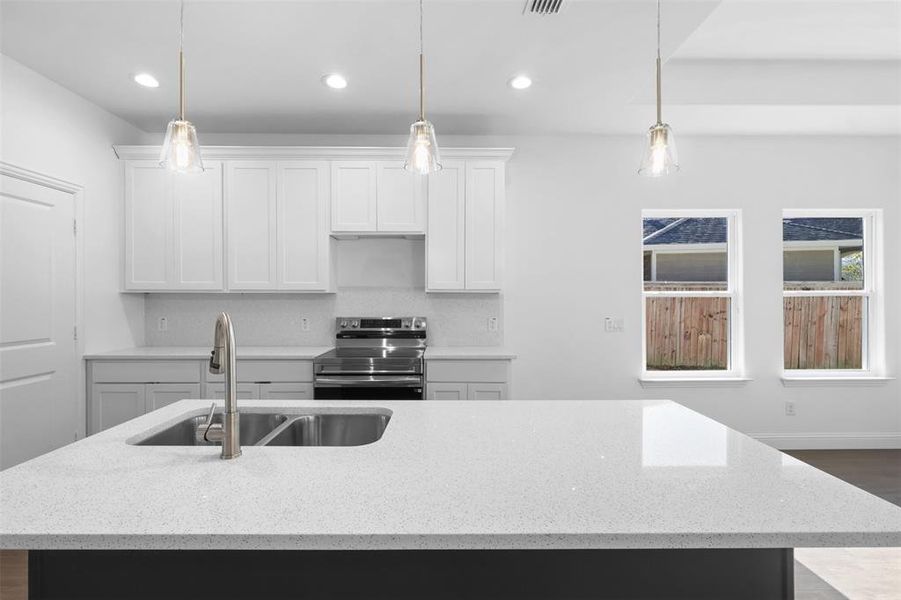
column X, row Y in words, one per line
column 255, row 66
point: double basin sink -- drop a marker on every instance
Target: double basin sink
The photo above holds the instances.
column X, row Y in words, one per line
column 276, row 429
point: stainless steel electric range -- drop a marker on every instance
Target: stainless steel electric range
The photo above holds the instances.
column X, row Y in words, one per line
column 375, row 358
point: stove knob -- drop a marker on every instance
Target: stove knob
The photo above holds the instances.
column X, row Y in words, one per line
column 355, row 324
column 343, row 324
column 405, row 324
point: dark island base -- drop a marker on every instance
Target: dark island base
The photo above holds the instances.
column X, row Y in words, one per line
column 696, row 574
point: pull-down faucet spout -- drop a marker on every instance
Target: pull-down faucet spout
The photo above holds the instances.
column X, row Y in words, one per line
column 222, row 360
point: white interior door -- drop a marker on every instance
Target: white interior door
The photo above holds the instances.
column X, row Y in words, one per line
column 39, row 402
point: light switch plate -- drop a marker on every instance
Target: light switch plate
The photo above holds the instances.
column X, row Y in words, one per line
column 162, row 324
column 613, row 325
column 492, row 323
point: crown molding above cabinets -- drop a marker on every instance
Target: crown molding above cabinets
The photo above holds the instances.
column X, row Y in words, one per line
column 265, row 218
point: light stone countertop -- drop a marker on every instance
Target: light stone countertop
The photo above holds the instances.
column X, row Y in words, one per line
column 445, row 475
column 203, row 352
column 468, row 353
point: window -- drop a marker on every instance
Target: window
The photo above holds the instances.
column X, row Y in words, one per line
column 829, row 287
column 691, row 294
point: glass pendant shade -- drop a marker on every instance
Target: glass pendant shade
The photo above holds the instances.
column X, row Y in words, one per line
column 181, row 152
column 422, row 149
column 660, row 157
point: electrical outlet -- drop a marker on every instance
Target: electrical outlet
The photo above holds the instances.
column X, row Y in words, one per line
column 614, row 325
column 162, row 324
column 304, row 324
column 790, row 409
column 492, row 323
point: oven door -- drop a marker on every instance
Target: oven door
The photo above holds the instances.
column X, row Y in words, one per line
column 368, row 387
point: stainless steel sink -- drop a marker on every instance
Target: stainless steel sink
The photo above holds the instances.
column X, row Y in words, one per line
column 329, row 430
column 274, row 429
column 254, row 427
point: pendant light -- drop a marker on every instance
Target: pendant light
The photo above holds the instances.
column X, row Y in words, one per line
column 660, row 157
column 181, row 152
column 422, row 148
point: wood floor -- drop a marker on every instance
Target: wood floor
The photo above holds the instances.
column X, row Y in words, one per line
column 852, row 573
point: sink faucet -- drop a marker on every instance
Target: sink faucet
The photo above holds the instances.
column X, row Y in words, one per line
column 222, row 360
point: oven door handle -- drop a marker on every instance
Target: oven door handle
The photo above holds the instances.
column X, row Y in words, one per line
column 366, row 381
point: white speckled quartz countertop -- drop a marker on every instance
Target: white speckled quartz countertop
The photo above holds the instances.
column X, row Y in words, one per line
column 468, row 353
column 203, row 352
column 445, row 475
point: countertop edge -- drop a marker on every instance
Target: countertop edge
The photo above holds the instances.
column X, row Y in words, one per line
column 536, row 541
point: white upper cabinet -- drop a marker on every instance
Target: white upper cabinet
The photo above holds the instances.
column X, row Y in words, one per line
column 250, row 199
column 278, row 237
column 484, row 225
column 173, row 228
column 302, row 237
column 400, row 198
column 446, row 238
column 465, row 238
column 354, row 185
column 377, row 196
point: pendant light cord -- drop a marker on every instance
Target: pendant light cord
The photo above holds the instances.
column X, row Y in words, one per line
column 659, row 86
column 181, row 63
column 421, row 69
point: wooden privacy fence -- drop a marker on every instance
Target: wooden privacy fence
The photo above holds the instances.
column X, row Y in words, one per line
column 687, row 333
column 821, row 332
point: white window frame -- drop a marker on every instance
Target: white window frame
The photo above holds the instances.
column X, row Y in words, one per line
column 736, row 363
column 872, row 331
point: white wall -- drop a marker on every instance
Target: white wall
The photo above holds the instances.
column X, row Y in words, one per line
column 573, row 222
column 574, row 257
column 48, row 129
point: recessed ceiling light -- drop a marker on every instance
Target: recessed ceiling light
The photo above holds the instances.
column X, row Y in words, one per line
column 147, row 80
column 335, row 81
column 520, row 82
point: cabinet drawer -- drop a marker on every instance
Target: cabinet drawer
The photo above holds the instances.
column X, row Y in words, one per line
column 467, row 370
column 146, row 371
column 271, row 371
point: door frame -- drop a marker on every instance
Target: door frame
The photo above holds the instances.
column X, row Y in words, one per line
column 77, row 193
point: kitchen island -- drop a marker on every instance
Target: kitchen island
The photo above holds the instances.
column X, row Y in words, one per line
column 538, row 499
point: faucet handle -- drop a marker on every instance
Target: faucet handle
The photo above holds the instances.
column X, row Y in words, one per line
column 209, row 432
column 209, row 416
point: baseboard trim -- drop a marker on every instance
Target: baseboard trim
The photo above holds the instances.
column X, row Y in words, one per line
column 830, row 441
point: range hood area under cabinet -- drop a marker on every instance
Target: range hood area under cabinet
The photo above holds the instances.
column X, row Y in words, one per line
column 264, row 219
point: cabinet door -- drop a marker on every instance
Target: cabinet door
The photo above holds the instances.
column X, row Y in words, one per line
column 484, row 225
column 487, row 391
column 446, row 391
column 400, row 198
column 148, row 224
column 445, row 239
column 354, row 196
column 244, row 391
column 286, row 391
column 250, row 197
column 197, row 230
column 114, row 403
column 158, row 395
column 303, row 226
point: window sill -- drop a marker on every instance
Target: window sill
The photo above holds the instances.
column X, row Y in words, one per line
column 832, row 381
column 690, row 382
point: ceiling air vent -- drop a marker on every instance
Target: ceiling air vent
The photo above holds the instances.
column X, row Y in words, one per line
column 542, row 7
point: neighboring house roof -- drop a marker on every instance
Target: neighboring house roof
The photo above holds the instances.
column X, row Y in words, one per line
column 806, row 230
column 714, row 230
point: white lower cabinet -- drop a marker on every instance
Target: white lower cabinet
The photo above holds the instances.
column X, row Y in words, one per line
column 487, row 391
column 446, row 391
column 159, row 395
column 467, row 379
column 243, row 391
column 115, row 403
column 119, row 390
column 286, row 391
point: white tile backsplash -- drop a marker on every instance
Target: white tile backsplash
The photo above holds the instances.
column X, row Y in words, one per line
column 274, row 319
